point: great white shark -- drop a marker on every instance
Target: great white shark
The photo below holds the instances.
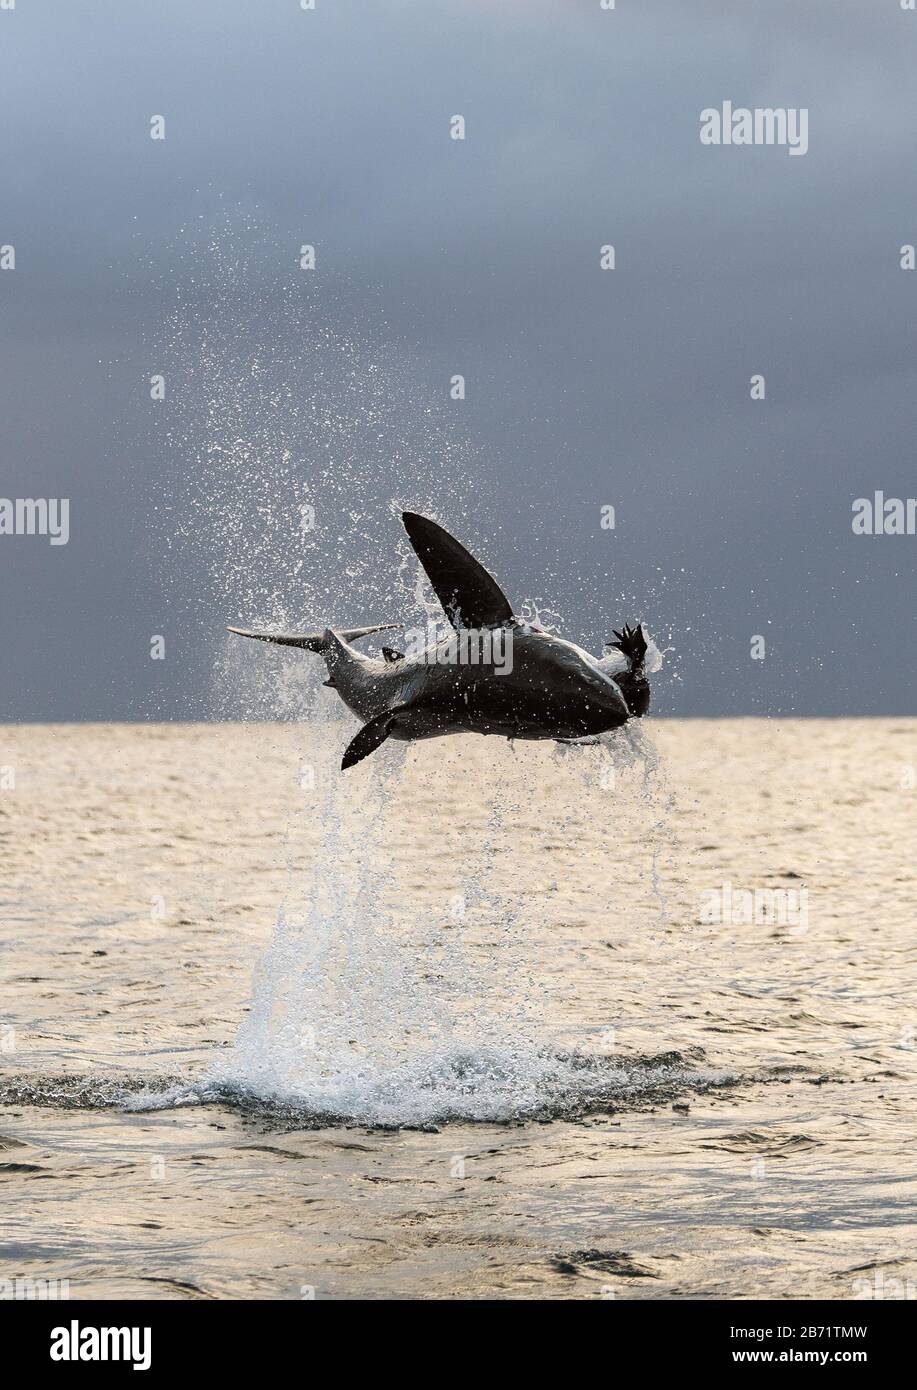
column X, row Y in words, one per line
column 497, row 675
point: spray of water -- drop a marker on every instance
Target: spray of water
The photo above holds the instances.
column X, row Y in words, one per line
column 294, row 439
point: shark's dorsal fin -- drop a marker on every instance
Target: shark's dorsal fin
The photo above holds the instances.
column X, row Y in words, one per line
column 471, row 597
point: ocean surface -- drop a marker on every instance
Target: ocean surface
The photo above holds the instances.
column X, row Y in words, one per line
column 472, row 1020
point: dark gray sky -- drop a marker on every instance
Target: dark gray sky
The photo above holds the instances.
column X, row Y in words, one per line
column 435, row 257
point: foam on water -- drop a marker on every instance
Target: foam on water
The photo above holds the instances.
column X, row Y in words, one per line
column 486, row 1085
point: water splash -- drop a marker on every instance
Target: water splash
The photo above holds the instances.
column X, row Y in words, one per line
column 486, row 1085
column 367, row 1005
column 285, row 439
column 483, row 1084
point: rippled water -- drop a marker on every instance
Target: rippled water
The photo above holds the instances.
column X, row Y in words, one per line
column 459, row 1024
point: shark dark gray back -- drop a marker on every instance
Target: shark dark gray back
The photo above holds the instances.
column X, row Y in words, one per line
column 539, row 686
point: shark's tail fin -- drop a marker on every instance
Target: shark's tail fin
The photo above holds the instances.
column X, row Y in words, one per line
column 313, row 641
column 632, row 642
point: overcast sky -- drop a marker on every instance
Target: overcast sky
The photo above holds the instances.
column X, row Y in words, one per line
column 435, row 257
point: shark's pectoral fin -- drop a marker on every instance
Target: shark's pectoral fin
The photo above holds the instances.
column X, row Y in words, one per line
column 370, row 737
column 367, row 740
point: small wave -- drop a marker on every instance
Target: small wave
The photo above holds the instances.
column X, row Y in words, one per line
column 484, row 1085
column 496, row 1086
column 74, row 1092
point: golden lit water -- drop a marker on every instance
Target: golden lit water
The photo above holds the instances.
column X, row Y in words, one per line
column 652, row 1101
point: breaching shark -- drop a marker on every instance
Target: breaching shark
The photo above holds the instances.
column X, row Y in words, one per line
column 496, row 674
